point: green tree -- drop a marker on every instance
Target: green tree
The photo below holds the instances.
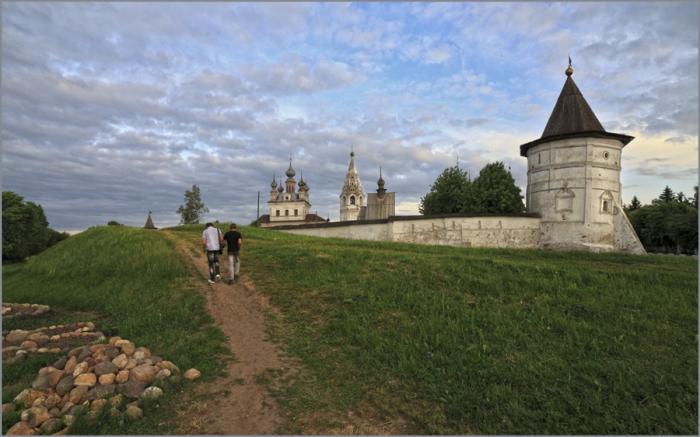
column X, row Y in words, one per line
column 634, row 204
column 193, row 210
column 495, row 191
column 25, row 230
column 669, row 227
column 667, row 195
column 447, row 194
column 694, row 201
column 114, row 223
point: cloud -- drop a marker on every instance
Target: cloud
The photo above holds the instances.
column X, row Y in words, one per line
column 111, row 110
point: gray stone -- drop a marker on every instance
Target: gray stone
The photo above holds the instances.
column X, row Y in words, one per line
column 101, row 391
column 51, row 426
column 84, row 354
column 77, row 351
column 60, row 363
column 111, row 352
column 132, row 388
column 41, row 382
column 152, row 393
column 105, row 368
column 65, row 385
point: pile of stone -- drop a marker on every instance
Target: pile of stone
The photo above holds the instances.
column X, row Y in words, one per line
column 12, row 310
column 117, row 376
column 52, row 339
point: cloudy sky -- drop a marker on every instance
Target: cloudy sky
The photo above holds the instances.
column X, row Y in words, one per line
column 111, row 110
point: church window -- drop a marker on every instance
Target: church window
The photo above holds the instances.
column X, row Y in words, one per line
column 606, row 155
column 539, row 158
column 352, row 200
column 286, row 213
column 277, row 213
column 296, row 212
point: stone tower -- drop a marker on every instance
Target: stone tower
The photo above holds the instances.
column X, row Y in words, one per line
column 351, row 197
column 573, row 179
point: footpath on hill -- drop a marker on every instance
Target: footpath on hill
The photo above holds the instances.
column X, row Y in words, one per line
column 237, row 403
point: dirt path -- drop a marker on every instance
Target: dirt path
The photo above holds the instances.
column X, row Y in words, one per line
column 237, row 403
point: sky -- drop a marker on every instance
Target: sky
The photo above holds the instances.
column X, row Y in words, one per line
column 110, row 110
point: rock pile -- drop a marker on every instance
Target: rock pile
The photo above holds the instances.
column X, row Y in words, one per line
column 116, row 376
column 52, row 339
column 12, row 310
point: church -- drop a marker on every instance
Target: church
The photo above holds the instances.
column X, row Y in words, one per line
column 286, row 205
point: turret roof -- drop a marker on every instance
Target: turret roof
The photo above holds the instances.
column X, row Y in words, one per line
column 572, row 117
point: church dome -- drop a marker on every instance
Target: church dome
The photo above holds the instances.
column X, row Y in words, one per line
column 273, row 185
column 290, row 171
column 280, row 189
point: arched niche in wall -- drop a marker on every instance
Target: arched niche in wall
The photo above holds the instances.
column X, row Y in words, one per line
column 606, row 203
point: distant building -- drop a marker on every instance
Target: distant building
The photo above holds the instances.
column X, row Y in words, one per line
column 286, row 206
column 149, row 222
column 380, row 205
column 352, row 199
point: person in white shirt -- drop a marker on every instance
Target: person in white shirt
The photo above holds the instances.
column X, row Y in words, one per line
column 211, row 243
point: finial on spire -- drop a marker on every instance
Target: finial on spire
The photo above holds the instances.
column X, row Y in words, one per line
column 569, row 70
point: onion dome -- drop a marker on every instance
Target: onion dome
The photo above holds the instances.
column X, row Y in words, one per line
column 273, row 185
column 380, row 181
column 290, row 171
column 280, row 188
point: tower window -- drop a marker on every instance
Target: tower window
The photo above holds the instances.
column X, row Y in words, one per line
column 352, row 200
column 606, row 203
column 296, row 212
column 286, row 212
column 277, row 213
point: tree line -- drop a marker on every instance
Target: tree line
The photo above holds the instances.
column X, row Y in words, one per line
column 493, row 191
column 25, row 230
column 669, row 224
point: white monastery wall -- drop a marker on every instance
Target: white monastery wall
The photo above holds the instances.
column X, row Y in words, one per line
column 501, row 231
column 350, row 230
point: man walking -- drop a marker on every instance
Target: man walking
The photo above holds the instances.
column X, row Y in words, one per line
column 234, row 241
column 211, row 242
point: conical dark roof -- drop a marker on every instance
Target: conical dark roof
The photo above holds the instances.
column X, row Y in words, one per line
column 149, row 222
column 572, row 118
column 571, row 113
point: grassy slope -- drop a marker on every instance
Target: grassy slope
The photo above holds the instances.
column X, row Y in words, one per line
column 137, row 282
column 484, row 341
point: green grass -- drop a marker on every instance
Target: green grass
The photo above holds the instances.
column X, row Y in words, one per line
column 136, row 284
column 481, row 340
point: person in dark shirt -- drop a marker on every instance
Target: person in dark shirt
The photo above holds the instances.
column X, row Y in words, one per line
column 234, row 241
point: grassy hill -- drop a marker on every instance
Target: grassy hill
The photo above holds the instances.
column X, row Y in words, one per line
column 481, row 340
column 450, row 340
column 132, row 283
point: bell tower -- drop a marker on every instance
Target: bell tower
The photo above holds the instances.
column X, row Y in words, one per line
column 352, row 199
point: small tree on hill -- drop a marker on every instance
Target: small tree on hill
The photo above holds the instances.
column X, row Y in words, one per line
column 634, row 204
column 667, row 195
column 193, row 209
column 495, row 190
column 447, row 194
